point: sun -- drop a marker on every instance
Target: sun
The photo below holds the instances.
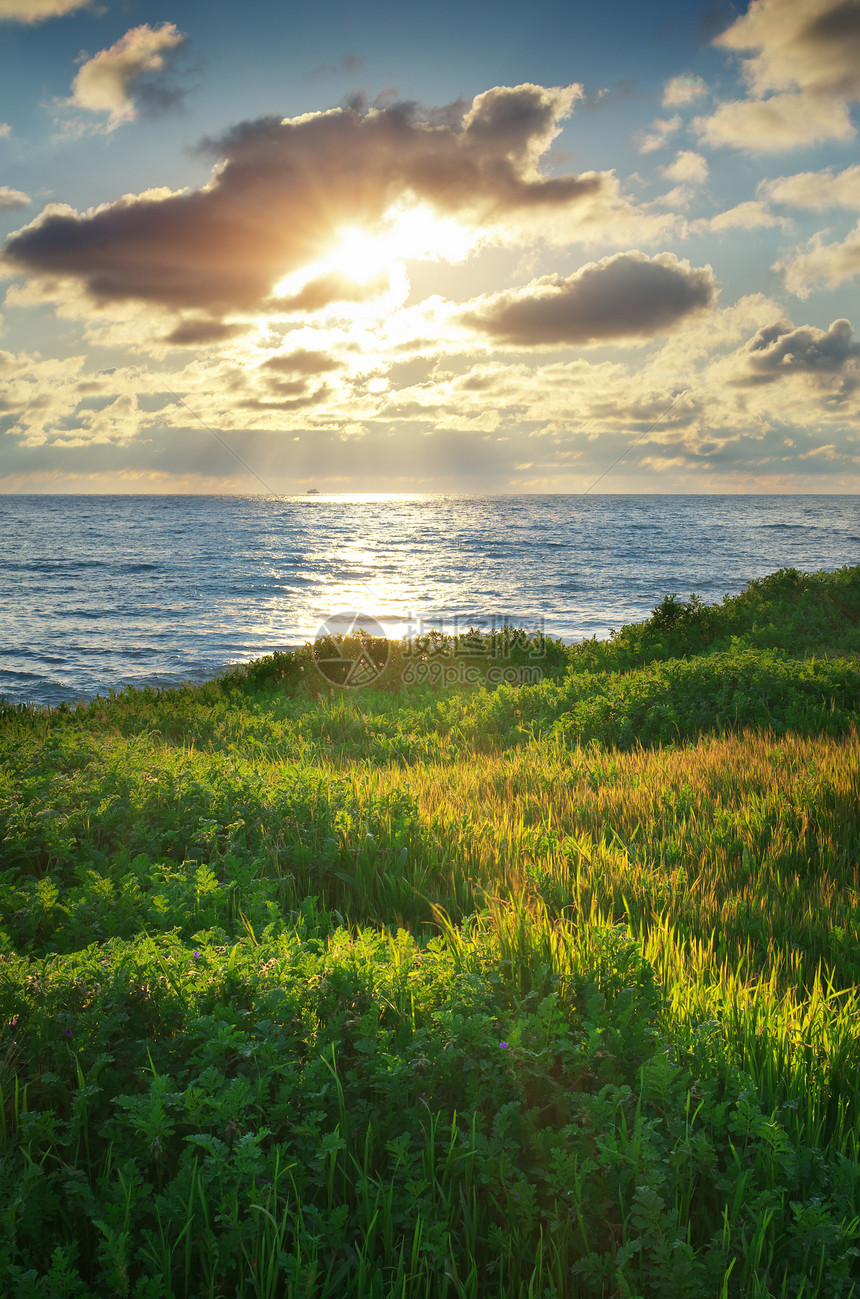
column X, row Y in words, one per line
column 377, row 256
column 360, row 255
column 404, row 234
column 423, row 235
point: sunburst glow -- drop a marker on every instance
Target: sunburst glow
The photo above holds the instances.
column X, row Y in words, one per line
column 406, row 234
column 377, row 257
column 360, row 255
column 420, row 233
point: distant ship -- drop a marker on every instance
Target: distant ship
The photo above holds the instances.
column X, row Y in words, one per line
column 312, row 491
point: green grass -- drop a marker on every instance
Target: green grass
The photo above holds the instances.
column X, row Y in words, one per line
column 543, row 989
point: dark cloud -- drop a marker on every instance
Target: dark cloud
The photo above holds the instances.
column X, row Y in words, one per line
column 478, row 382
column 389, row 100
column 628, row 295
column 301, row 361
column 282, row 189
column 289, row 387
column 196, row 333
column 783, row 349
column 840, row 23
column 302, row 401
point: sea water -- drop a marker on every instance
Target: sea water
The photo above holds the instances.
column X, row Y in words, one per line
column 97, row 592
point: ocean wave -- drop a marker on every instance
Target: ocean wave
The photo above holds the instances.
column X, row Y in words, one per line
column 167, row 590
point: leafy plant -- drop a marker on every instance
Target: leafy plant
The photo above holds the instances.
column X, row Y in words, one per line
column 546, row 987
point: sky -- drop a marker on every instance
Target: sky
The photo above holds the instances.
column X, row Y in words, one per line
column 471, row 247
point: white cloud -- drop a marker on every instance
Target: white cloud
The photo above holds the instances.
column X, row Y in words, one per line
column 606, row 218
column 36, row 11
column 751, row 215
column 38, row 393
column 823, row 265
column 655, row 137
column 683, row 90
column 811, row 44
column 5, row 130
column 680, row 196
column 111, row 81
column 779, row 123
column 13, row 199
column 761, row 402
column 688, row 166
column 816, row 190
column 803, row 74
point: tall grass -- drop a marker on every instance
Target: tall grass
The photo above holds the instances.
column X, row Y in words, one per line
column 547, row 990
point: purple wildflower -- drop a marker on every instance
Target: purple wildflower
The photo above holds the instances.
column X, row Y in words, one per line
column 503, row 1045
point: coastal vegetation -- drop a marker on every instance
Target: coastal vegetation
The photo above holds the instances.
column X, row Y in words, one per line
column 523, row 970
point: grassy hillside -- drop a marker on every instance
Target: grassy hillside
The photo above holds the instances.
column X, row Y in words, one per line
column 525, row 970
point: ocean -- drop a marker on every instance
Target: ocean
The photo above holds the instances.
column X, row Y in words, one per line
column 98, row 592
